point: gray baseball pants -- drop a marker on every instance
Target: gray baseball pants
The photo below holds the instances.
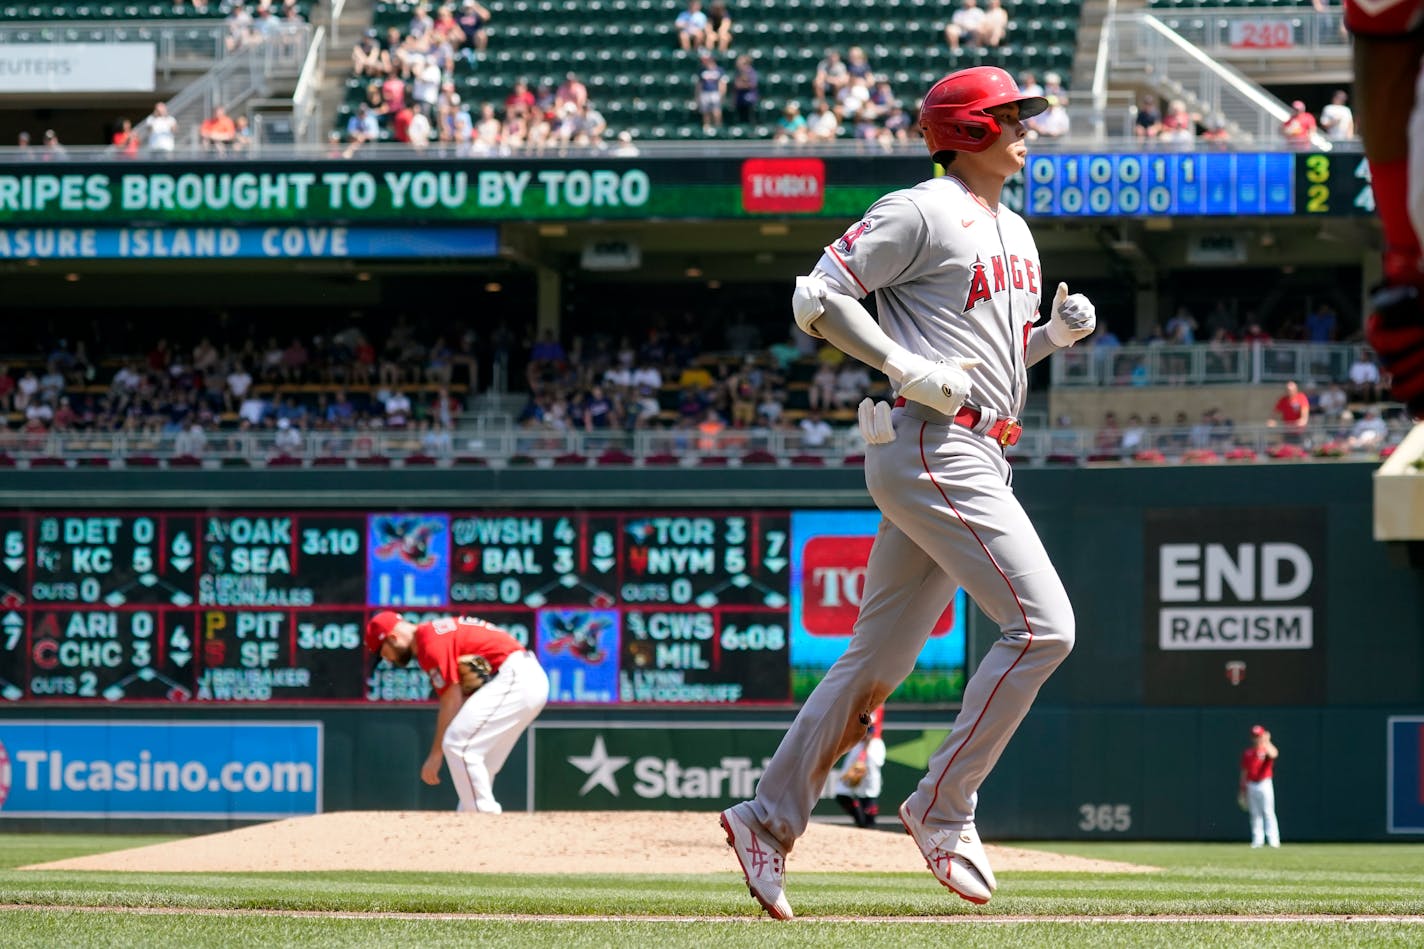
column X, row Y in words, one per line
column 950, row 520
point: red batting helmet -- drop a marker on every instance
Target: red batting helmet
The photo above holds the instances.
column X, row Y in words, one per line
column 955, row 114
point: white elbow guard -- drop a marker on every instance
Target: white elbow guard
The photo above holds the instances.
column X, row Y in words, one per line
column 806, row 303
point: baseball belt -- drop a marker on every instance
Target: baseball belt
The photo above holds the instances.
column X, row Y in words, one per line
column 1005, row 431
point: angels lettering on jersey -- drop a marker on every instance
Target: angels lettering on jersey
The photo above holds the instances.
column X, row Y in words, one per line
column 1023, row 274
column 846, row 245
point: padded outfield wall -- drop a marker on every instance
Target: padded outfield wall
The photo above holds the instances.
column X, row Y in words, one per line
column 1207, row 599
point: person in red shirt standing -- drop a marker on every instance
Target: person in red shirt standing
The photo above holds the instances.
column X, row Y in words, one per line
column 1300, row 126
column 474, row 730
column 1294, row 411
column 1258, row 764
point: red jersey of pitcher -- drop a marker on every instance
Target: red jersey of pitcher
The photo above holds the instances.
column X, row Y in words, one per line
column 474, row 730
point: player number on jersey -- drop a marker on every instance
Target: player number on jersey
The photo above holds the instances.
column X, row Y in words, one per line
column 1105, row 818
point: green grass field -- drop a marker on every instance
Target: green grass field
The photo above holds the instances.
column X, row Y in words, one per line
column 1213, row 881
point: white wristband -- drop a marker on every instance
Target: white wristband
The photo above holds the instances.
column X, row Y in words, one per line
column 900, row 362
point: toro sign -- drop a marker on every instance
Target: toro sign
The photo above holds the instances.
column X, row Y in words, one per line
column 772, row 185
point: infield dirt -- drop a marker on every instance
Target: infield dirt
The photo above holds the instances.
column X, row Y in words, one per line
column 553, row 842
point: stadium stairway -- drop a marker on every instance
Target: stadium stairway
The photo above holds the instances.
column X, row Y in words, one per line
column 342, row 36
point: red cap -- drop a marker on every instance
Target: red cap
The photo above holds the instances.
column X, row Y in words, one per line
column 379, row 628
column 1258, row 730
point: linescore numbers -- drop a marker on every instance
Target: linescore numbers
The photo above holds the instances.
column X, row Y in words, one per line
column 1104, row 184
column 1190, row 183
column 1336, row 184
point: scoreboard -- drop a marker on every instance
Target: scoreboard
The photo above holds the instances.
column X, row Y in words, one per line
column 1197, row 183
column 176, row 606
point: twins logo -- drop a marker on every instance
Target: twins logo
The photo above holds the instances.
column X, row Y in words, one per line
column 4, row 774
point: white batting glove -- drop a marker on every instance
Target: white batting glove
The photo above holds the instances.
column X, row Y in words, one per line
column 943, row 386
column 875, row 424
column 1073, row 318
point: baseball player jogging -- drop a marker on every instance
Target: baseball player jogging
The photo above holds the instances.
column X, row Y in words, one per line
column 957, row 284
column 490, row 689
column 1258, row 765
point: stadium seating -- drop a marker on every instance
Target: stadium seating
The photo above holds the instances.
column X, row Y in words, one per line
column 626, row 52
column 88, row 11
column 1231, row 4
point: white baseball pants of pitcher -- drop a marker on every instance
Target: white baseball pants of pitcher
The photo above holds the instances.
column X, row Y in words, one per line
column 485, row 729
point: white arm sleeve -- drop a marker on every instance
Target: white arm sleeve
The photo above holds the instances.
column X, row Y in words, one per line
column 849, row 327
column 1040, row 347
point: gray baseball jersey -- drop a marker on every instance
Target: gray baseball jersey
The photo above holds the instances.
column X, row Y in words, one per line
column 952, row 278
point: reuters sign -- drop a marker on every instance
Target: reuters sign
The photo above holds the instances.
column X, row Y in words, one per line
column 783, row 185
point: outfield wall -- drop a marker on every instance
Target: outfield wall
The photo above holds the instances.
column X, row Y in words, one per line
column 1207, row 599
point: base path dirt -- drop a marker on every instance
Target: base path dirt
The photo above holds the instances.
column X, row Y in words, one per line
column 553, row 842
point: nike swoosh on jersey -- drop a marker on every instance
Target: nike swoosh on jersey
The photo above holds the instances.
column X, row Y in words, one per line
column 966, row 222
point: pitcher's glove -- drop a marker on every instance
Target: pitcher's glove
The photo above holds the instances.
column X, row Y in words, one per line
column 475, row 671
column 854, row 774
column 1396, row 331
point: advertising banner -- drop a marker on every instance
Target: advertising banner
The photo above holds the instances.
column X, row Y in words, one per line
column 1235, row 606
column 237, row 243
column 429, row 193
column 827, row 580
column 76, row 67
column 160, row 769
column 439, row 191
column 690, row 766
column 1406, row 774
column 651, row 767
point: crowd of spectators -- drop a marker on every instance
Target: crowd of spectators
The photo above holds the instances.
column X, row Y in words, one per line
column 981, row 27
column 294, row 388
column 337, row 389
column 1179, row 126
column 327, row 382
column 665, row 379
column 411, row 96
column 849, row 100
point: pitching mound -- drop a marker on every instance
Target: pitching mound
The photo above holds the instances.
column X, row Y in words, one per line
column 554, row 842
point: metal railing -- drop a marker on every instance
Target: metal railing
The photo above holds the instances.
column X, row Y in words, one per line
column 179, row 46
column 306, row 98
column 1205, row 364
column 1145, row 48
column 240, row 76
column 280, row 122
column 1267, row 32
column 511, row 446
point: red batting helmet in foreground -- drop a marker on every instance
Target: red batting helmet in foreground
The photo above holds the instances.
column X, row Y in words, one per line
column 955, row 114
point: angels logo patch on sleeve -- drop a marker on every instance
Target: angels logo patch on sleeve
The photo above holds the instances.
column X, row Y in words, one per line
column 847, row 241
column 437, row 681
